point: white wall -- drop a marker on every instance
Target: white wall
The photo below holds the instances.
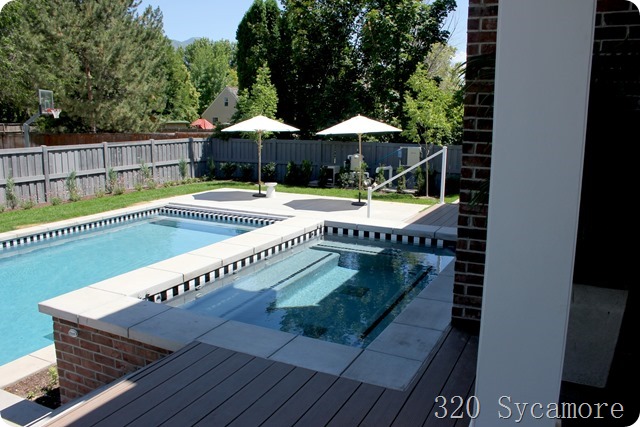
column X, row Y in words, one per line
column 542, row 79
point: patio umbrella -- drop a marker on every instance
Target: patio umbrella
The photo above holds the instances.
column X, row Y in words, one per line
column 259, row 125
column 359, row 125
column 202, row 124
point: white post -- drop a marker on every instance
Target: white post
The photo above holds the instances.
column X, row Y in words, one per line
column 543, row 63
column 443, row 173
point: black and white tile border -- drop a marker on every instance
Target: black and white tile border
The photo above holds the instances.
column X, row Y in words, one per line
column 212, row 276
column 390, row 237
column 77, row 228
column 220, row 216
column 202, row 214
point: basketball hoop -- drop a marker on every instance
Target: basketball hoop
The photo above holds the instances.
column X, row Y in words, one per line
column 55, row 112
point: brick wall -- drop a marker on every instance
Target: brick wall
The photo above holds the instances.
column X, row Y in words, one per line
column 476, row 162
column 615, row 99
column 95, row 358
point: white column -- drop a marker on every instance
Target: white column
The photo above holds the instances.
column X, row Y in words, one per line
column 542, row 82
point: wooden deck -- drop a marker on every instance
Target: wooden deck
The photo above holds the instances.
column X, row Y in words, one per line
column 206, row 385
column 439, row 215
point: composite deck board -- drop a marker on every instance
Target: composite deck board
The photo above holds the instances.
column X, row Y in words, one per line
column 206, row 385
column 392, row 401
column 241, row 400
column 268, row 404
column 440, row 215
column 294, row 408
column 215, row 396
column 329, row 404
column 149, row 398
column 196, row 389
column 357, row 407
column 422, row 398
column 105, row 404
column 456, row 389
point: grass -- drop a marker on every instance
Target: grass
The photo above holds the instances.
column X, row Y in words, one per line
column 20, row 218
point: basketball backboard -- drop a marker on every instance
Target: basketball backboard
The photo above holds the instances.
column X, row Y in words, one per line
column 46, row 99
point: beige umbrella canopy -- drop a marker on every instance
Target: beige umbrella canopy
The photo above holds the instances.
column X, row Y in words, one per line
column 359, row 125
column 259, row 125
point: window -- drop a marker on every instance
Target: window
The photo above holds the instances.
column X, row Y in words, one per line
column 226, row 101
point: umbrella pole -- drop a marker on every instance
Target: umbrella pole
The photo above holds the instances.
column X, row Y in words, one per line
column 359, row 202
column 259, row 166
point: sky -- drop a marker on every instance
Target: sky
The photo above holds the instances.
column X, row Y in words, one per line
column 219, row 19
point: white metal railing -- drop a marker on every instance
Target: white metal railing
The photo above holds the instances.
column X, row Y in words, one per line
column 443, row 176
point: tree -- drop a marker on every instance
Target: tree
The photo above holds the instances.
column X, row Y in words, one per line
column 99, row 57
column 209, row 63
column 18, row 95
column 317, row 77
column 258, row 39
column 434, row 109
column 182, row 97
column 396, row 36
column 260, row 99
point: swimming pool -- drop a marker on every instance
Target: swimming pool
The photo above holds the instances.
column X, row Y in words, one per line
column 334, row 290
column 39, row 270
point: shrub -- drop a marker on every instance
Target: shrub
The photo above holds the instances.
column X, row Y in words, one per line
column 10, row 193
column 183, row 168
column 380, row 176
column 99, row 194
column 112, row 180
column 269, row 172
column 246, row 170
column 401, row 185
column 323, row 177
column 298, row 175
column 345, row 178
column 421, row 182
column 72, row 187
column 306, row 169
column 27, row 204
column 211, row 169
column 228, row 169
column 292, row 174
column 118, row 188
column 55, row 201
column 146, row 176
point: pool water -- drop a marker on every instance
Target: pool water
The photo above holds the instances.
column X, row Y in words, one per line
column 36, row 272
column 336, row 290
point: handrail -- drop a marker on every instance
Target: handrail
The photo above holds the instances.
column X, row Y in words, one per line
column 443, row 173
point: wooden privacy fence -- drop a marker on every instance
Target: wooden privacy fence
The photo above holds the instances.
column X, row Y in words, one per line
column 39, row 174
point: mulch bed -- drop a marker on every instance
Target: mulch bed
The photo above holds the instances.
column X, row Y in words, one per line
column 41, row 388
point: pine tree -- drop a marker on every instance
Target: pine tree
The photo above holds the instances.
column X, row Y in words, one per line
column 101, row 58
column 182, row 97
column 260, row 99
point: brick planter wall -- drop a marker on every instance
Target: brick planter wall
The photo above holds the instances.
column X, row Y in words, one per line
column 95, row 358
column 614, row 74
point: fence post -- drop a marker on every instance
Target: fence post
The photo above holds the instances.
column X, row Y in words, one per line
column 153, row 159
column 107, row 163
column 45, row 170
column 192, row 158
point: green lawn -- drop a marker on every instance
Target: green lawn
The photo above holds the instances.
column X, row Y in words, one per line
column 20, row 218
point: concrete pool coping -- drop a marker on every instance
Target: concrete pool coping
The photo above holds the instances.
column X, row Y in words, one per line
column 353, row 367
